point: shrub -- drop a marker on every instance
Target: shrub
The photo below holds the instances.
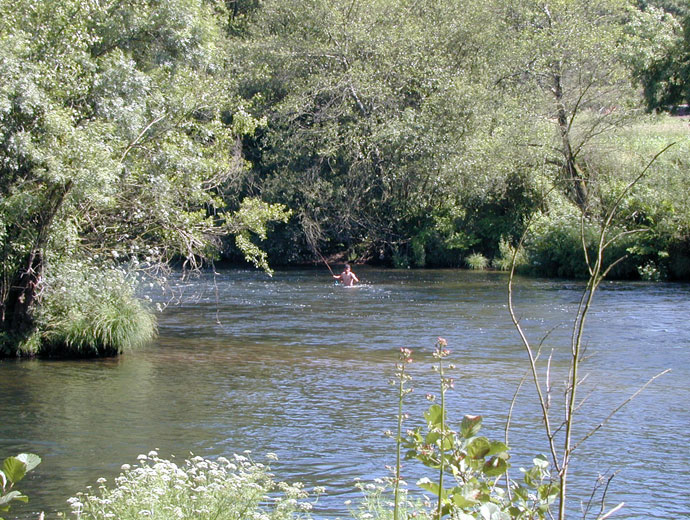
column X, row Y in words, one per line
column 468, row 471
column 199, row 489
column 477, row 262
column 505, row 257
column 90, row 311
column 13, row 470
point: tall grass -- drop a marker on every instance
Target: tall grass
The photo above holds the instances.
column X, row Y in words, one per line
column 88, row 311
column 477, row 262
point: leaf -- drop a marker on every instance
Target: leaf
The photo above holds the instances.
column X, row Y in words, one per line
column 498, row 448
column 471, row 424
column 432, row 487
column 432, row 438
column 490, row 511
column 541, row 461
column 14, row 469
column 495, row 467
column 31, row 460
column 463, row 502
column 12, row 495
column 434, row 416
column 478, row 448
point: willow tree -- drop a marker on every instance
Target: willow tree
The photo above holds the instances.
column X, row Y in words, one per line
column 118, row 131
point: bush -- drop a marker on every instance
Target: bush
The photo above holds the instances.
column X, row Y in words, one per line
column 92, row 311
column 477, row 262
column 199, row 489
column 504, row 259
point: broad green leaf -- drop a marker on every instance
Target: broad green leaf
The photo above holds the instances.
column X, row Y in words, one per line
column 498, row 447
column 478, row 448
column 541, row 461
column 447, row 443
column 12, row 495
column 434, row 416
column 490, row 511
column 548, row 492
column 495, row 466
column 14, row 469
column 31, row 460
column 471, row 424
column 432, row 487
column 432, row 438
column 462, row 501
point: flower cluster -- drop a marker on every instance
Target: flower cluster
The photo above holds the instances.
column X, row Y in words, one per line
column 197, row 489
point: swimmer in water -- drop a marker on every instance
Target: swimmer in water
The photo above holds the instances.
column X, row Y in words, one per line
column 347, row 276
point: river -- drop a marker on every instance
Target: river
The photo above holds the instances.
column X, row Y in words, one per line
column 297, row 366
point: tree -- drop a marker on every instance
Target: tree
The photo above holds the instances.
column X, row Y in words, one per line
column 664, row 69
column 566, row 66
column 119, row 134
column 560, row 434
column 376, row 122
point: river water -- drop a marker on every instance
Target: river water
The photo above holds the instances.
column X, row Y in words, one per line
column 299, row 367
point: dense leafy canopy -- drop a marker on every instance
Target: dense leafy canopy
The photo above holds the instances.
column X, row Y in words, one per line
column 120, row 132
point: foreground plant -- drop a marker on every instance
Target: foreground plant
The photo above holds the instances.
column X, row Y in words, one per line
column 469, row 472
column 560, row 431
column 475, row 466
column 197, row 489
column 13, row 470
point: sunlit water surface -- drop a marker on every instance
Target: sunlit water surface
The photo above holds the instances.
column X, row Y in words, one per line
column 299, row 367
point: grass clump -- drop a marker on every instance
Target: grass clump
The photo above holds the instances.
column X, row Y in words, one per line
column 89, row 311
column 477, row 262
column 198, row 489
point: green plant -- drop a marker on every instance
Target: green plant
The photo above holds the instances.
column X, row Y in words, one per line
column 477, row 262
column 197, row 489
column 560, row 432
column 476, row 465
column 13, row 470
column 506, row 252
column 92, row 310
column 469, row 472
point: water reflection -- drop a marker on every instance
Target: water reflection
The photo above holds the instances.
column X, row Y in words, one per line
column 297, row 366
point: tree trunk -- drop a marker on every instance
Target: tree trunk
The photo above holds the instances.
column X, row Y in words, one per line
column 16, row 316
column 576, row 183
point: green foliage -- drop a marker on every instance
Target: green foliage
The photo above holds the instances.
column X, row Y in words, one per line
column 373, row 139
column 477, row 262
column 13, row 470
column 662, row 59
column 90, row 310
column 375, row 504
column 252, row 218
column 198, row 489
column 120, row 130
column 507, row 256
column 478, row 484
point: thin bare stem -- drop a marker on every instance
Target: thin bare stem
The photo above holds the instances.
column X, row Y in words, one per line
column 611, row 512
column 138, row 138
column 617, row 409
